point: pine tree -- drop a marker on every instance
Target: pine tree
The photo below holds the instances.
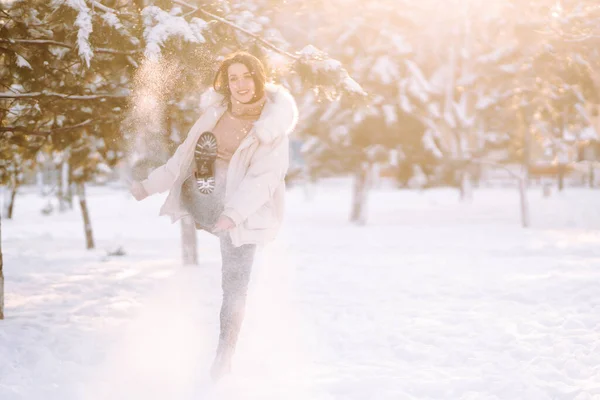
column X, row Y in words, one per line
column 73, row 72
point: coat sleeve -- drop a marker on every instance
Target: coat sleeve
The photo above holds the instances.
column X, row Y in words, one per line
column 162, row 178
column 266, row 172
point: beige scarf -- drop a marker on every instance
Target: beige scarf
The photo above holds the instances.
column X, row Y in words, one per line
column 234, row 125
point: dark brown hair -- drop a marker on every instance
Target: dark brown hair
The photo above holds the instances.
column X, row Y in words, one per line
column 221, row 81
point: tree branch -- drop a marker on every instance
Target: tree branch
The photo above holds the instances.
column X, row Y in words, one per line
column 20, row 129
column 132, row 62
column 44, row 42
column 237, row 27
column 103, row 7
column 113, row 51
column 5, row 13
column 8, row 95
column 44, row 133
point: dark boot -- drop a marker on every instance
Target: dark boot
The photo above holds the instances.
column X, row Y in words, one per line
column 222, row 364
column 205, row 154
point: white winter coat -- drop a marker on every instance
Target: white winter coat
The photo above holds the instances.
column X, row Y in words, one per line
column 254, row 194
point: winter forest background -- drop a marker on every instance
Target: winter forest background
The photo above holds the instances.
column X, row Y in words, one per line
column 456, row 95
column 428, row 95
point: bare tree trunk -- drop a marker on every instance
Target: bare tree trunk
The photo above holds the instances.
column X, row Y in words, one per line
column 524, row 179
column 87, row 224
column 39, row 178
column 64, row 191
column 592, row 176
column 522, row 182
column 466, row 189
column 526, row 160
column 310, row 183
column 560, row 175
column 11, row 195
column 59, row 193
column 11, row 201
column 523, row 199
column 189, row 244
column 362, row 184
column 1, row 274
column 69, row 191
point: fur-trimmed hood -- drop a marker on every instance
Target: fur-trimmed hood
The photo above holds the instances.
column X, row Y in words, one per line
column 279, row 115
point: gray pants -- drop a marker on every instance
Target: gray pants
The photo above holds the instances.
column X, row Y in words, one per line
column 236, row 268
column 236, row 261
column 204, row 208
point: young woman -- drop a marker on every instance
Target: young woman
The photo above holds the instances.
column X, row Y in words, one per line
column 251, row 120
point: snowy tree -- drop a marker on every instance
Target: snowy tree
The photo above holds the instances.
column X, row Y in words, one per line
column 488, row 89
column 170, row 81
column 552, row 91
column 571, row 36
column 473, row 75
column 451, row 90
column 90, row 90
column 57, row 92
column 346, row 137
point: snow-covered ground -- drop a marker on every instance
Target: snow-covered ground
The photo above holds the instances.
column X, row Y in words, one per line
column 434, row 299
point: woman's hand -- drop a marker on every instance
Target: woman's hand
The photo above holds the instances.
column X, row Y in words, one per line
column 223, row 224
column 138, row 191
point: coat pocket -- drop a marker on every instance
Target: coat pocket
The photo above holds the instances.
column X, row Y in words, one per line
column 263, row 218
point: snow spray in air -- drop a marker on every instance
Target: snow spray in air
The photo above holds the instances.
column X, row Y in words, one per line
column 144, row 125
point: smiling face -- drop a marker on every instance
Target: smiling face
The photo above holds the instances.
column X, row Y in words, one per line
column 241, row 83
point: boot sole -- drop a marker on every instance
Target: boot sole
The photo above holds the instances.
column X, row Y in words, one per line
column 205, row 155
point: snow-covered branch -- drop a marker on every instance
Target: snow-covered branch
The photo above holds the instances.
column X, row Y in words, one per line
column 310, row 59
column 44, row 42
column 580, row 38
column 319, row 65
column 44, row 133
column 238, row 28
column 113, row 51
column 36, row 41
column 10, row 95
column 103, row 7
column 160, row 25
column 569, row 37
